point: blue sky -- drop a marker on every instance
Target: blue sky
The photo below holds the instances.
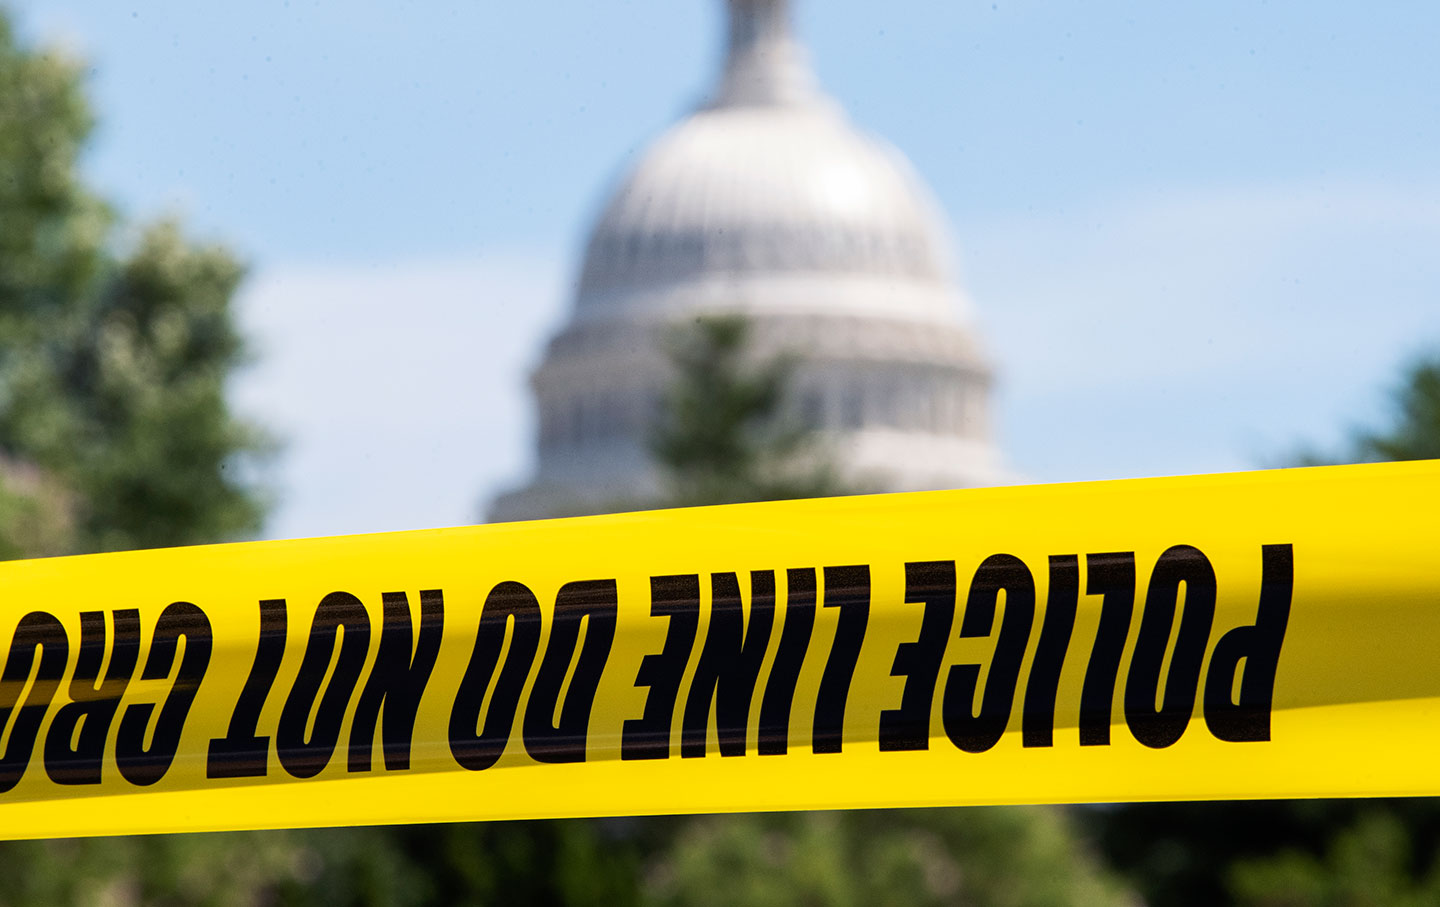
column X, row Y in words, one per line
column 1197, row 235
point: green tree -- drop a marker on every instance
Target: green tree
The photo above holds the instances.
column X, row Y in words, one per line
column 1008, row 856
column 51, row 259
column 114, row 427
column 1254, row 852
column 126, row 405
column 1414, row 432
column 1368, row 862
column 728, row 434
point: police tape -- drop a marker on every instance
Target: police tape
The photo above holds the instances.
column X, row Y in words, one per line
column 1255, row 635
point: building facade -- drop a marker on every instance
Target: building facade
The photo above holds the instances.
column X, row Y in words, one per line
column 766, row 202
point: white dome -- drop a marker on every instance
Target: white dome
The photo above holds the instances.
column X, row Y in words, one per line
column 769, row 182
column 769, row 203
column 747, row 190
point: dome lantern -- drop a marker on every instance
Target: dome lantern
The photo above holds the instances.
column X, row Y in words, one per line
column 764, row 64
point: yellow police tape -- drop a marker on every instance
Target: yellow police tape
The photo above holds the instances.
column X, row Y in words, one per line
column 1269, row 634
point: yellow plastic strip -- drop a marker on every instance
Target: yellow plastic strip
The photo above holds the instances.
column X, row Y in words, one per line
column 1270, row 634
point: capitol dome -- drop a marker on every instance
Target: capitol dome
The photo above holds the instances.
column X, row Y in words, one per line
column 769, row 203
column 759, row 192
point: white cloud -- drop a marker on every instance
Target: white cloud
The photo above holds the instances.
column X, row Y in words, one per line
column 398, row 388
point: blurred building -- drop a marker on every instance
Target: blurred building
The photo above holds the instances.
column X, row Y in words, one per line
column 766, row 201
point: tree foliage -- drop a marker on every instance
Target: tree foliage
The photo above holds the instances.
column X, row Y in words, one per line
column 1270, row 852
column 1411, row 424
column 562, row 862
column 1000, row 856
column 114, row 427
column 1369, row 861
column 727, row 434
column 114, row 433
column 126, row 406
column 1414, row 432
